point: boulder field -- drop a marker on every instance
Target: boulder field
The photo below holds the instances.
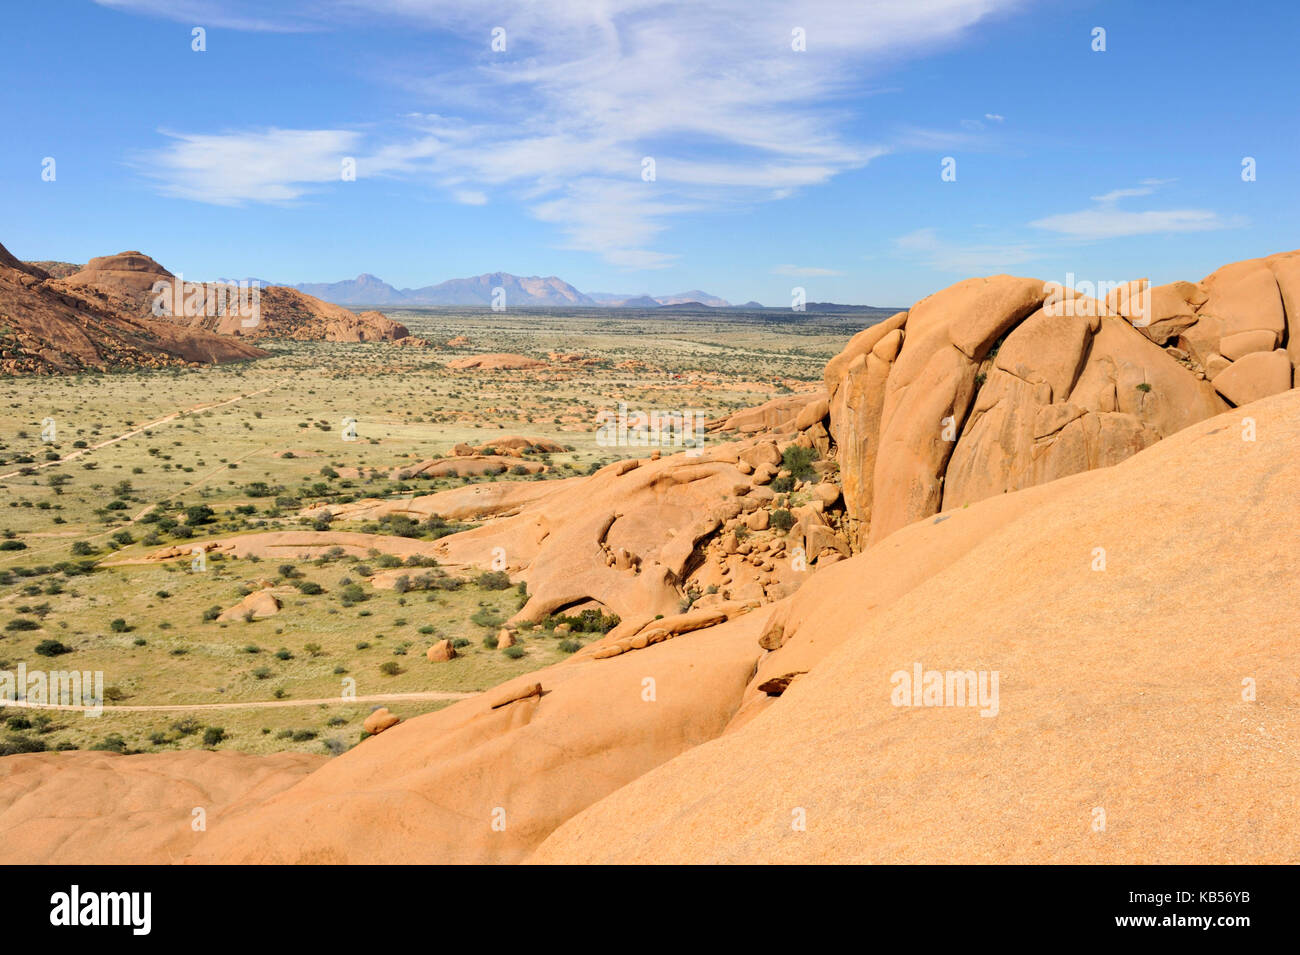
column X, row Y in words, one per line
column 993, row 492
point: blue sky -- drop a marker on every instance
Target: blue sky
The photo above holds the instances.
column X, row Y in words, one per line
column 774, row 167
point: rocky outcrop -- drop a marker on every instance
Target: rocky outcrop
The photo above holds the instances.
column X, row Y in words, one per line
column 128, row 275
column 641, row 537
column 466, row 466
column 50, row 326
column 288, row 313
column 282, row 312
column 379, row 720
column 779, row 415
column 1002, row 383
column 441, row 652
column 258, row 605
column 512, row 445
column 1130, row 718
column 497, row 361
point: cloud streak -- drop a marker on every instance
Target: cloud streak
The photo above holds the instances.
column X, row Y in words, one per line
column 1107, row 221
column 973, row 258
column 231, row 169
column 715, row 93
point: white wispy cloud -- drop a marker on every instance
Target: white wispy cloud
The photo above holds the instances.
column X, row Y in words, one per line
column 1107, row 221
column 971, row 258
column 1110, row 223
column 247, row 15
column 271, row 165
column 713, row 92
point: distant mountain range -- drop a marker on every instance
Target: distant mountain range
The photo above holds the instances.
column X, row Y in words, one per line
column 368, row 289
column 531, row 290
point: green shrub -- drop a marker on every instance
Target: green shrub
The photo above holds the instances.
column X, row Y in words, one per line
column 17, row 743
column 798, row 461
column 494, row 580
column 487, row 617
column 197, row 514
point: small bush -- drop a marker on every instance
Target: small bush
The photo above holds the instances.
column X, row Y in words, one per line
column 798, row 461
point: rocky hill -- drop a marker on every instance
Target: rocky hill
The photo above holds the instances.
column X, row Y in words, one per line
column 1054, row 495
column 283, row 312
column 50, row 327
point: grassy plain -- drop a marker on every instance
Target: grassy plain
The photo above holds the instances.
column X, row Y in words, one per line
column 220, row 468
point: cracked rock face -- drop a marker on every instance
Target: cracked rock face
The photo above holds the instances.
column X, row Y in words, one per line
column 992, row 385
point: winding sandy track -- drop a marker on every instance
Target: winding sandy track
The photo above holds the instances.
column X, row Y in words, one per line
column 72, row 456
column 259, row 705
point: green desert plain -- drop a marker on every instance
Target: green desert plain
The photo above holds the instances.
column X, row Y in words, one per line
column 142, row 460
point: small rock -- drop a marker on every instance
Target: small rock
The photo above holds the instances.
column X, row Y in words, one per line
column 512, row 694
column 380, row 720
column 441, row 652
